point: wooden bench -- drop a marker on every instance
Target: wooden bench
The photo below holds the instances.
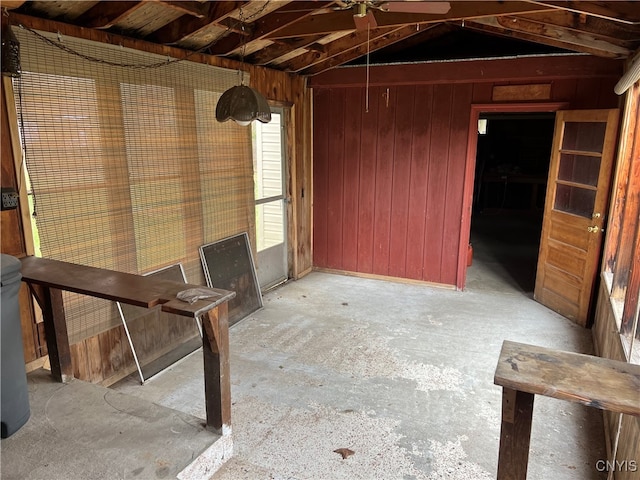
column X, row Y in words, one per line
column 526, row 370
column 47, row 278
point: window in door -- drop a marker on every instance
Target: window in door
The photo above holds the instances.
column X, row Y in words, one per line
column 269, row 177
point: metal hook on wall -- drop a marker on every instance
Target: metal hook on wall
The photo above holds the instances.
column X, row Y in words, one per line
column 386, row 97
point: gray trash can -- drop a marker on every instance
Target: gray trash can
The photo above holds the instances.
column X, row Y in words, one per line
column 14, row 393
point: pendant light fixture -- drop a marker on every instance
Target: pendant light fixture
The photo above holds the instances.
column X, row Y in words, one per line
column 242, row 103
column 10, row 53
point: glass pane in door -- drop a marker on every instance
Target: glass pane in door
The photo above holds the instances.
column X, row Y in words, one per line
column 584, row 136
column 267, row 159
column 579, row 169
column 269, row 224
column 575, row 200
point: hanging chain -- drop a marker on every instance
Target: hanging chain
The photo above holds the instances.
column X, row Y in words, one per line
column 60, row 45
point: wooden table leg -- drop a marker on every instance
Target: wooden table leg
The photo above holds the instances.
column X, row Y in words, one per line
column 217, row 379
column 55, row 329
column 515, row 434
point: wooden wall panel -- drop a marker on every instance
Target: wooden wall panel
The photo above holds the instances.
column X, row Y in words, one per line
column 321, row 178
column 351, row 181
column 12, row 242
column 437, row 186
column 418, row 182
column 482, row 92
column 335, row 177
column 563, row 89
column 401, row 178
column 407, row 216
column 384, row 181
column 367, row 184
column 608, row 344
column 11, row 226
column 459, row 132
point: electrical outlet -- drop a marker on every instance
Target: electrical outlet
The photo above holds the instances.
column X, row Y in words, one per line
column 9, row 198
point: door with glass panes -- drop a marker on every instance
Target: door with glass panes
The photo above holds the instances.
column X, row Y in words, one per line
column 269, row 176
column 575, row 209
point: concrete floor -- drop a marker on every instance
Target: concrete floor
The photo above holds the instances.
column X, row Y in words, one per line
column 401, row 375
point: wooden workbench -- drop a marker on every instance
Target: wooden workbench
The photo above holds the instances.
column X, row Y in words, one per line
column 47, row 278
column 524, row 371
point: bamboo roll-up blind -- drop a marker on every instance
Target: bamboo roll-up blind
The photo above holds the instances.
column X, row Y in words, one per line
column 129, row 169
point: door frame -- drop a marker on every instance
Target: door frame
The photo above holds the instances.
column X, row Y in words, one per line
column 285, row 118
column 470, row 168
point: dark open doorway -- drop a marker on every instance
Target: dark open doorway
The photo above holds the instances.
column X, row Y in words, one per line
column 512, row 164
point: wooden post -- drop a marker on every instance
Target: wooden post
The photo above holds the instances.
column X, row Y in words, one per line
column 55, row 328
column 217, row 379
column 515, row 434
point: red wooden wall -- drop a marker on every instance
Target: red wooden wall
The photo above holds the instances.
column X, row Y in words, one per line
column 388, row 183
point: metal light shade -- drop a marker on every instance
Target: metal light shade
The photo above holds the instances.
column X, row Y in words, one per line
column 10, row 53
column 242, row 104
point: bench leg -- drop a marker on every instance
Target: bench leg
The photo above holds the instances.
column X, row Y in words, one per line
column 217, row 379
column 55, row 330
column 515, row 434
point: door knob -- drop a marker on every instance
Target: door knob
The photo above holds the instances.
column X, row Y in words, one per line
column 596, row 215
column 593, row 229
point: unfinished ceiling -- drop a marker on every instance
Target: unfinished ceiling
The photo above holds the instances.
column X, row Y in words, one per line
column 310, row 37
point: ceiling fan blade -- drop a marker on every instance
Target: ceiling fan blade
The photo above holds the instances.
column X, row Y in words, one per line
column 363, row 21
column 416, row 6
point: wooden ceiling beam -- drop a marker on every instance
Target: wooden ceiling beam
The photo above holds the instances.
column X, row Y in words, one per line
column 553, row 37
column 280, row 48
column 278, row 19
column 343, row 20
column 337, row 47
column 195, row 9
column 186, row 25
column 360, row 50
column 587, row 24
column 11, row 4
column 322, row 24
column 540, row 68
column 618, row 11
column 104, row 15
column 351, row 49
column 568, row 36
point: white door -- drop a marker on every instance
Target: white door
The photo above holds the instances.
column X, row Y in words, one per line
column 269, row 176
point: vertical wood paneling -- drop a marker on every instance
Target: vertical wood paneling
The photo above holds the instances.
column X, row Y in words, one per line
column 322, row 101
column 437, row 189
column 605, row 100
column 94, row 363
column 482, row 92
column 607, row 343
column 459, row 132
column 12, row 244
column 335, row 179
column 418, row 181
column 79, row 360
column 401, row 179
column 351, row 183
column 561, row 90
column 367, row 185
column 111, row 352
column 384, row 183
column 12, row 235
column 410, row 174
column 587, row 93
